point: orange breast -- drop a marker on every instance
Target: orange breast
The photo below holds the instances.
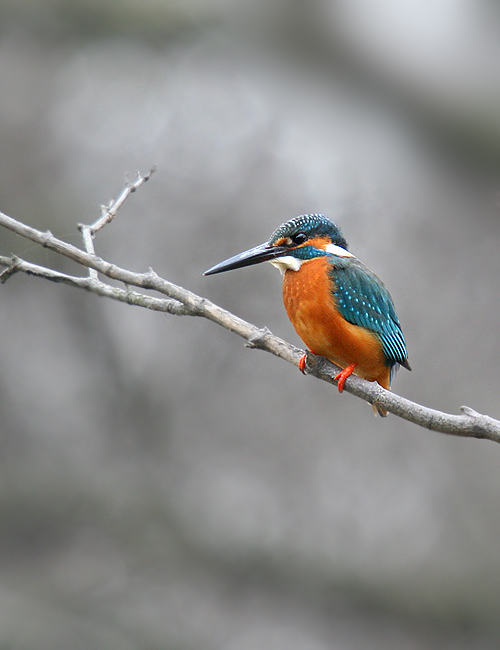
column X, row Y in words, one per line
column 311, row 307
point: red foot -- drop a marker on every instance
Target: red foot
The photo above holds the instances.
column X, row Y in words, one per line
column 343, row 374
column 302, row 364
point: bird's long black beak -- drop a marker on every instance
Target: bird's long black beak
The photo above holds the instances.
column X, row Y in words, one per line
column 262, row 253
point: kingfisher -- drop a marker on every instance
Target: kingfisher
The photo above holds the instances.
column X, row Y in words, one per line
column 339, row 308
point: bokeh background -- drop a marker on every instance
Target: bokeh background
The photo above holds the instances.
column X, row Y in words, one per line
column 161, row 486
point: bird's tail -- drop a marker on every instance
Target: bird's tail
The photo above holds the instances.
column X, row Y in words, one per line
column 377, row 410
column 385, row 381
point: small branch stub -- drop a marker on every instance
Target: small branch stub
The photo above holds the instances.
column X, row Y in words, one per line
column 12, row 268
column 257, row 341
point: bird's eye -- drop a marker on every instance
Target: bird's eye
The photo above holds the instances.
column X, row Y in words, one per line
column 299, row 238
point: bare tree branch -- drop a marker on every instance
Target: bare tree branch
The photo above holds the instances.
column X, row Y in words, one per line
column 108, row 213
column 181, row 302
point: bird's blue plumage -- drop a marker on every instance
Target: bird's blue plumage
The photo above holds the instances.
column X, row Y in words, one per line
column 315, row 224
column 363, row 300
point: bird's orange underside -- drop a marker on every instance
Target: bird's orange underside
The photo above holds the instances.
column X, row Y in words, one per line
column 311, row 307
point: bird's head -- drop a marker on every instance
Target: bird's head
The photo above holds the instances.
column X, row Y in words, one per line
column 293, row 243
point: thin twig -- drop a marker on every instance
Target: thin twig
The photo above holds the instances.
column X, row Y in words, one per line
column 15, row 264
column 109, row 212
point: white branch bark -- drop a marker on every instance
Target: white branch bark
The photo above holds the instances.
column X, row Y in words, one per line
column 181, row 302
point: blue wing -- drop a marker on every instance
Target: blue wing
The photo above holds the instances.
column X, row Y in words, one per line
column 363, row 300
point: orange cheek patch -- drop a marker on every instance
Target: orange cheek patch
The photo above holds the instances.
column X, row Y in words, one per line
column 318, row 242
column 283, row 241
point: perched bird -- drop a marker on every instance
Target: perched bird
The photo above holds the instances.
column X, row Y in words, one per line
column 338, row 307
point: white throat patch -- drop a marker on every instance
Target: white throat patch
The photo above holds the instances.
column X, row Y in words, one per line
column 286, row 263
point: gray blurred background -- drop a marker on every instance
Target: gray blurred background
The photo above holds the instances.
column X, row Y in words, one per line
column 162, row 487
